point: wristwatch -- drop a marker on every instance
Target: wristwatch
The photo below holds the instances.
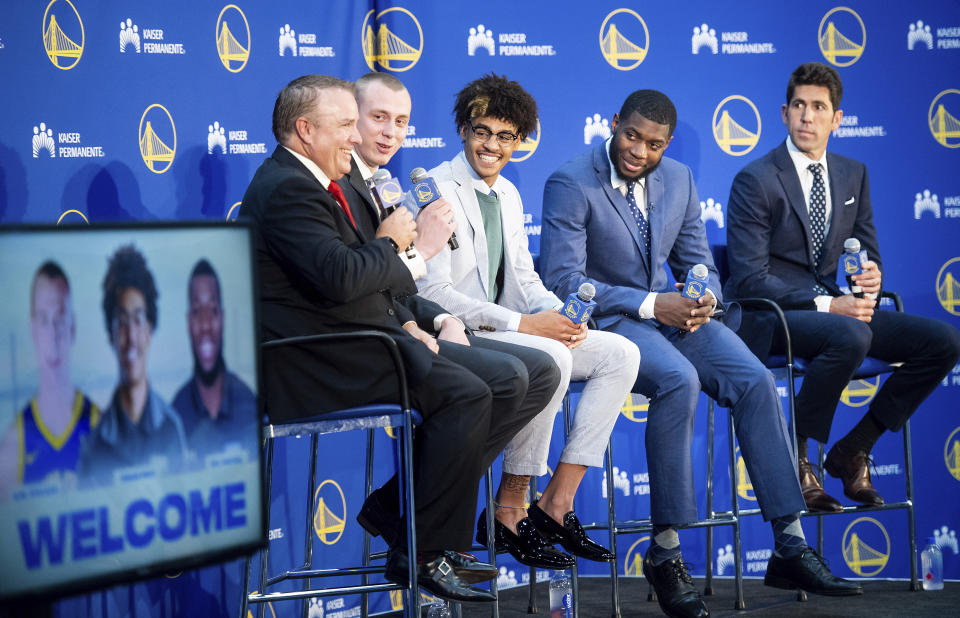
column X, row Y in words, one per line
column 393, row 243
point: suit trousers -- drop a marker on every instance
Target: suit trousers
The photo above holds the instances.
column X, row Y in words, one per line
column 674, row 368
column 835, row 345
column 609, row 365
column 456, row 444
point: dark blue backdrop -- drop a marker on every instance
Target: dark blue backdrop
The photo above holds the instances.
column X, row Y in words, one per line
column 148, row 111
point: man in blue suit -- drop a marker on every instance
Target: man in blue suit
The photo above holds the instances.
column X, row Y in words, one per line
column 612, row 216
column 789, row 214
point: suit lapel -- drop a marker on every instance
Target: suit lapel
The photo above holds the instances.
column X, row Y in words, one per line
column 617, row 200
column 838, row 215
column 656, row 214
column 791, row 186
column 471, row 209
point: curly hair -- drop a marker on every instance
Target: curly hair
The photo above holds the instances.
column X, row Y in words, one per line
column 496, row 96
column 128, row 269
column 817, row 74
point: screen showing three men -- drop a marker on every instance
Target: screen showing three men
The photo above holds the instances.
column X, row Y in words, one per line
column 129, row 431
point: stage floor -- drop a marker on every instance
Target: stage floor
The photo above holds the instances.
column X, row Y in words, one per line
column 880, row 598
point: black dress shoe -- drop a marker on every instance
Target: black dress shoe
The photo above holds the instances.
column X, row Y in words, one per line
column 527, row 546
column 378, row 520
column 677, row 595
column 470, row 569
column 436, row 576
column 814, row 496
column 571, row 535
column 808, row 572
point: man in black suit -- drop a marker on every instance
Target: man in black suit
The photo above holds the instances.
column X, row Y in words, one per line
column 384, row 106
column 319, row 273
column 788, row 216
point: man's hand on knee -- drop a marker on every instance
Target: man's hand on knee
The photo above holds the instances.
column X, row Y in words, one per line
column 851, row 306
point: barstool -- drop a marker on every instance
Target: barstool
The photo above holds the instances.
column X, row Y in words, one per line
column 361, row 417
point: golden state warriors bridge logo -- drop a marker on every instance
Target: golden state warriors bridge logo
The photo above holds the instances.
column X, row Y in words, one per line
column 527, row 147
column 633, row 561
column 943, row 125
column 951, row 453
column 744, row 484
column 63, row 35
column 859, row 393
column 158, row 138
column 948, row 286
column 330, row 516
column 635, row 408
column 841, row 36
column 866, row 546
column 391, row 38
column 736, row 125
column 624, row 39
column 233, row 38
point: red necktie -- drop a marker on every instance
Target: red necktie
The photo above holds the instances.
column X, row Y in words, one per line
column 337, row 194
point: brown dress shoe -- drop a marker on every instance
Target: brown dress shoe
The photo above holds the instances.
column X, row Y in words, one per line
column 854, row 470
column 813, row 494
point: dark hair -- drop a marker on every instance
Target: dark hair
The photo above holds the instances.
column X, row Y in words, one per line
column 817, row 74
column 128, row 269
column 652, row 105
column 298, row 98
column 496, row 96
column 201, row 268
column 50, row 270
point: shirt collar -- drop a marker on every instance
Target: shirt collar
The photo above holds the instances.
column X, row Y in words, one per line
column 365, row 170
column 802, row 161
column 313, row 167
column 479, row 184
column 616, row 181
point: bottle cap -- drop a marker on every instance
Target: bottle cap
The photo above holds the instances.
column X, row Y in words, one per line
column 931, row 540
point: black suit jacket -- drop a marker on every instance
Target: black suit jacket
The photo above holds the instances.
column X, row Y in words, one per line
column 768, row 233
column 317, row 275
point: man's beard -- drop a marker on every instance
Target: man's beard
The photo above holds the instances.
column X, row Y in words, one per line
column 615, row 157
column 207, row 378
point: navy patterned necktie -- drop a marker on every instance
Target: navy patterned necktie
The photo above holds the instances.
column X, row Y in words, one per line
column 643, row 228
column 818, row 217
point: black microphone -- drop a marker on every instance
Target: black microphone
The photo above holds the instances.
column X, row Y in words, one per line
column 388, row 194
column 425, row 192
column 852, row 264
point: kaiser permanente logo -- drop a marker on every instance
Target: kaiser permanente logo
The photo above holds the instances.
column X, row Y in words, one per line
column 711, row 210
column 733, row 42
column 233, row 38
column 736, row 125
column 842, row 36
column 481, row 39
column 303, row 44
column 158, row 138
column 595, row 127
column 850, row 127
column 66, row 145
column 151, row 40
column 238, row 144
column 392, row 39
column 63, row 35
column 412, row 141
column 622, row 485
column 624, row 39
column 920, row 36
column 943, row 124
column 928, row 202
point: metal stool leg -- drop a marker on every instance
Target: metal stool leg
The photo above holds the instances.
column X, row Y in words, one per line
column 911, row 520
column 708, row 587
column 612, row 530
column 735, row 507
column 405, row 452
column 308, row 528
column 820, row 458
column 367, row 489
column 266, row 550
column 491, row 545
column 532, row 596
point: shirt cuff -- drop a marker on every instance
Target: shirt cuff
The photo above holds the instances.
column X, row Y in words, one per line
column 715, row 301
column 646, row 307
column 823, row 303
column 870, row 295
column 416, row 265
column 438, row 321
column 513, row 324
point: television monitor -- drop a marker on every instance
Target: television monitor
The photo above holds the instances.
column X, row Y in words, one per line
column 129, row 418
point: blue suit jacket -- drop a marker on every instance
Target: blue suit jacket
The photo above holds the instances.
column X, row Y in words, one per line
column 590, row 234
column 768, row 229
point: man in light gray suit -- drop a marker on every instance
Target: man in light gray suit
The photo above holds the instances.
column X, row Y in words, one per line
column 489, row 282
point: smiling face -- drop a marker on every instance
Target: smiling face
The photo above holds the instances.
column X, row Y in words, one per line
column 52, row 326
column 810, row 118
column 637, row 146
column 488, row 156
column 131, row 332
column 329, row 133
column 384, row 117
column 205, row 322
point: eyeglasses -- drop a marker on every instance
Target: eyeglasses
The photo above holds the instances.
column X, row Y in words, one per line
column 483, row 133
